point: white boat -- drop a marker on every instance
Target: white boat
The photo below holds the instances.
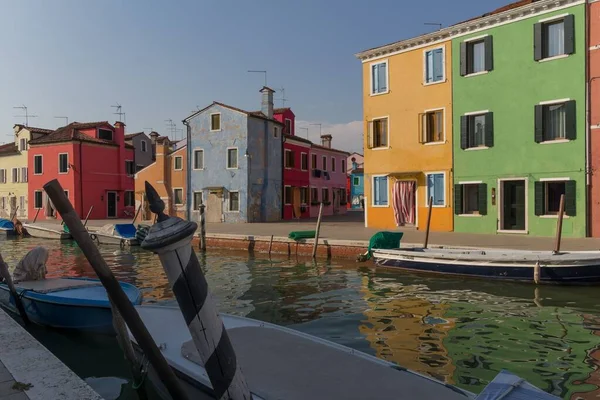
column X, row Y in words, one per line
column 116, row 234
column 280, row 363
column 47, row 231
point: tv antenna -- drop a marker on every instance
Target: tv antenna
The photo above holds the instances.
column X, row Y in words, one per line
column 172, row 127
column 26, row 116
column 66, row 120
column 434, row 24
column 260, row 72
column 119, row 112
column 283, row 99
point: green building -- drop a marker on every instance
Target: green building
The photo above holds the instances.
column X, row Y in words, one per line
column 519, row 117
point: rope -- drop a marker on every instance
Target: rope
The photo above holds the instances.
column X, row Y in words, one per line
column 143, row 372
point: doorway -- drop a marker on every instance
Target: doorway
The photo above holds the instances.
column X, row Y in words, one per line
column 336, row 201
column 50, row 213
column 513, row 210
column 404, row 199
column 214, row 206
column 111, row 204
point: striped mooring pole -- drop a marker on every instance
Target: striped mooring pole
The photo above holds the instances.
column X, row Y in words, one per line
column 202, row 226
column 171, row 239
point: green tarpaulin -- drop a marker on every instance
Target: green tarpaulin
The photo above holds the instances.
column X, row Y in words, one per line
column 384, row 240
column 299, row 235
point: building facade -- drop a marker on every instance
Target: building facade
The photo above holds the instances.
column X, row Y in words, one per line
column 93, row 164
column 296, row 177
column 143, row 155
column 593, row 154
column 236, row 162
column 327, row 178
column 356, row 189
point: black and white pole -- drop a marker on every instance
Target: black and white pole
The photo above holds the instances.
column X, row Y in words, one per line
column 202, row 226
column 171, row 239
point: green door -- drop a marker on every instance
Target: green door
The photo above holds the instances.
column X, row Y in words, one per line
column 513, row 208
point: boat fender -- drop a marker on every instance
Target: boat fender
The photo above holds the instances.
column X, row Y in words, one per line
column 94, row 238
column 123, row 244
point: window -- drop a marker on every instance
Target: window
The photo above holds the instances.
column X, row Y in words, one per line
column 436, row 189
column 304, row 195
column 288, row 126
column 15, row 175
column 289, row 159
column 356, row 181
column 554, row 38
column 24, row 173
column 234, row 201
column 332, row 164
column 378, row 133
column 63, row 163
column 477, row 130
column 476, row 56
column 324, row 163
column 22, row 144
column 555, row 121
column 66, row 193
column 37, row 165
column 198, row 159
column 303, row 161
column 198, row 199
column 314, row 195
column 2, row 176
column 380, row 191
column 129, row 198
column 232, row 158
column 129, row 167
column 432, row 126
column 547, row 197
column 287, row 195
column 314, row 161
column 343, row 165
column 434, row 65
column 470, row 199
column 37, row 199
column 105, row 134
column 215, row 122
column 178, row 196
column 325, row 195
column 342, row 196
column 379, row 78
column 178, row 163
column 275, row 131
column 144, row 148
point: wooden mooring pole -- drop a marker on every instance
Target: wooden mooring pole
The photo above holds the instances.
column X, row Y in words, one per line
column 270, row 245
column 12, row 289
column 428, row 223
column 314, row 253
column 201, row 208
column 559, row 224
column 36, row 215
column 136, row 214
column 88, row 216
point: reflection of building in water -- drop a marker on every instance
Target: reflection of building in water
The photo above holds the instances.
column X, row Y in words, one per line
column 589, row 388
column 407, row 328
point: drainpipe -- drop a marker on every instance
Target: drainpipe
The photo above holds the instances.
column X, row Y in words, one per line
column 188, row 174
column 282, row 176
column 80, row 177
column 588, row 129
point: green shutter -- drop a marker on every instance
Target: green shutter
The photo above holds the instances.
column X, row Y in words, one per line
column 570, row 198
column 463, row 59
column 489, row 53
column 464, row 132
column 571, row 120
column 489, row 129
column 569, row 34
column 539, row 124
column 458, row 202
column 482, row 198
column 540, row 198
column 538, row 49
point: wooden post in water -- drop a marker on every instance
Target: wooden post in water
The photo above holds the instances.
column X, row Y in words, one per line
column 201, row 208
column 136, row 214
column 13, row 290
column 36, row 215
column 270, row 245
column 13, row 215
column 88, row 216
column 559, row 223
column 314, row 253
column 428, row 222
column 114, row 289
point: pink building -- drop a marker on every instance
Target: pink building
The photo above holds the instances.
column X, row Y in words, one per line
column 296, row 177
column 328, row 178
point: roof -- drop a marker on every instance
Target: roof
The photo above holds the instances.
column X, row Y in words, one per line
column 255, row 114
column 507, row 7
column 358, row 171
column 33, row 129
column 281, row 110
column 330, row 149
column 296, row 138
column 71, row 132
column 129, row 146
column 132, row 135
column 8, row 149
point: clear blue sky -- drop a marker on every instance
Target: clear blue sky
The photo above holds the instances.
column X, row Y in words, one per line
column 161, row 59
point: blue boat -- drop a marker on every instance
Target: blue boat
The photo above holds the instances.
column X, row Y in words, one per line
column 6, row 227
column 67, row 303
column 116, row 234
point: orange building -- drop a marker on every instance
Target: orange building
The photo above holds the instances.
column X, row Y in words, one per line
column 167, row 174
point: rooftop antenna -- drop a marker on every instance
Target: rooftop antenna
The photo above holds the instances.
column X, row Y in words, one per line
column 66, row 120
column 172, row 127
column 434, row 24
column 150, row 129
column 260, row 72
column 26, row 116
column 118, row 111
column 306, row 129
column 283, row 99
column 320, row 129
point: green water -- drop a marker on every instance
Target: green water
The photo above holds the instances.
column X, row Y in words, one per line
column 460, row 331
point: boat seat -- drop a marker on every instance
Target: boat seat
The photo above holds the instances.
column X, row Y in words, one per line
column 279, row 365
column 125, row 230
column 54, row 285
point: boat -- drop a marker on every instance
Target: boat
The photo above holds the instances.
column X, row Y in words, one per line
column 7, row 228
column 575, row 267
column 116, row 234
column 67, row 303
column 47, row 231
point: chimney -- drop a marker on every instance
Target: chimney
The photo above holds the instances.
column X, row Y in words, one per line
column 266, row 106
column 326, row 141
column 153, row 136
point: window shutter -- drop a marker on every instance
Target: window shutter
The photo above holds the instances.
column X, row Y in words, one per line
column 489, row 129
column 383, row 85
column 539, row 198
column 569, row 34
column 571, row 120
column 489, row 52
column 482, row 198
column 539, row 124
column 369, row 135
column 438, row 65
column 570, row 198
column 463, row 59
column 464, row 131
column 538, row 50
column 458, row 203
column 423, row 130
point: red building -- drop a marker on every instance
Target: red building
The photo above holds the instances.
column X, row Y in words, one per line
column 593, row 70
column 93, row 164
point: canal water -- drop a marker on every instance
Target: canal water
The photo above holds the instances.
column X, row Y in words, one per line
column 459, row 331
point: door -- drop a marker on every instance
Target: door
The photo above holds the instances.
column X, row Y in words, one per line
column 296, row 202
column 214, row 207
column 336, row 201
column 403, row 202
column 513, row 207
column 111, row 204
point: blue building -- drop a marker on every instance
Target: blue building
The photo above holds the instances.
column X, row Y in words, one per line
column 357, row 188
column 235, row 163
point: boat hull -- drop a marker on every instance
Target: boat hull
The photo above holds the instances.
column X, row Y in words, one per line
column 568, row 272
column 113, row 240
column 46, row 233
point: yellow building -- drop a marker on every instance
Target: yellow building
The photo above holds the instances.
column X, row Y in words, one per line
column 14, row 173
column 407, row 99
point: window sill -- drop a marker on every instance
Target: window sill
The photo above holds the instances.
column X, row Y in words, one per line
column 553, row 58
column 232, row 212
column 375, row 206
column 380, row 148
column 552, row 216
column 174, row 169
column 215, row 130
column 477, row 148
column 513, row 232
column 470, row 215
column 197, row 169
column 555, row 141
column 434, row 206
column 379, row 94
column 236, row 168
column 435, row 83
column 476, row 74
column 434, row 143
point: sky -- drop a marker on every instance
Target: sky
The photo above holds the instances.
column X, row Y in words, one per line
column 161, row 60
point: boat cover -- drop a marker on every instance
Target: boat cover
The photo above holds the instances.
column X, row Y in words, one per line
column 56, row 285
column 507, row 386
column 32, row 267
column 384, row 240
column 6, row 224
column 125, row 230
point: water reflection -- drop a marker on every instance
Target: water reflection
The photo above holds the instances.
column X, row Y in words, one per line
column 460, row 331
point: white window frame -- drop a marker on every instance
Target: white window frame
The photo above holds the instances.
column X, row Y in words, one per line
column 24, row 176
column 285, row 158
column 21, row 147
column 237, row 161
column 275, row 131
column 144, row 146
column 323, row 164
column 285, row 200
column 387, row 147
column 194, row 160
column 333, row 164
column 387, row 76
column 427, row 189
column 12, row 175
column 175, row 197
column 194, row 197
column 550, row 103
column 307, row 188
column 175, row 163
column 501, row 205
column 329, row 195
column 344, row 166
column 545, row 181
column 125, row 198
column 307, row 161
column 443, row 141
column 63, row 154
column 210, row 122
column 373, row 193
column 465, row 183
column 316, row 165
column 42, row 194
column 548, row 20
column 284, row 124
column 112, row 134
column 475, row 39
column 425, row 83
column 3, row 177
column 229, row 201
column 310, row 194
column 66, row 193
column 133, row 164
column 41, row 164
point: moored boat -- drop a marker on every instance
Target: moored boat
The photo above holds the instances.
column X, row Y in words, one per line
column 7, row 228
column 116, row 234
column 68, row 303
column 47, row 231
